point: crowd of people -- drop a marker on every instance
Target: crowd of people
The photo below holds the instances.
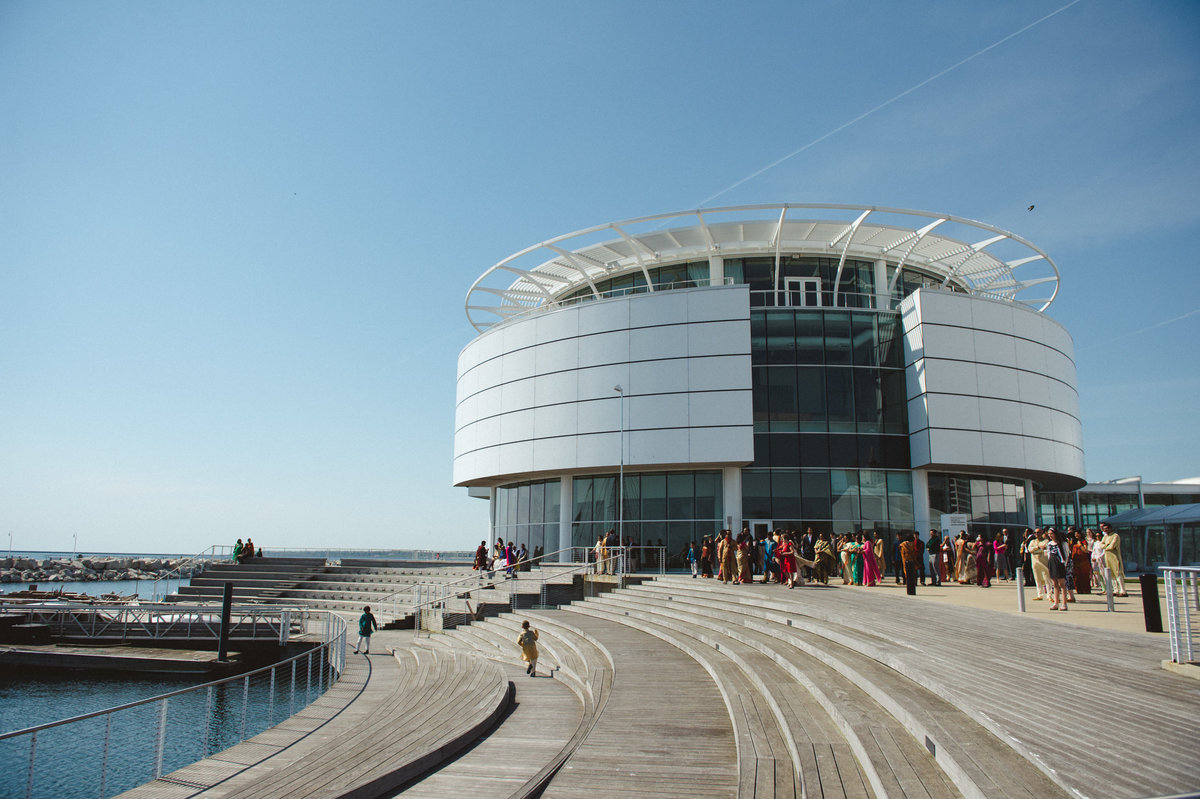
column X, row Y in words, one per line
column 1058, row 564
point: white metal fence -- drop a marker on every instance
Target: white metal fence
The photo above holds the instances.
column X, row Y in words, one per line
column 1182, row 585
column 148, row 623
column 112, row 750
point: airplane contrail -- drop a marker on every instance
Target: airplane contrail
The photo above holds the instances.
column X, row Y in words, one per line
column 884, row 104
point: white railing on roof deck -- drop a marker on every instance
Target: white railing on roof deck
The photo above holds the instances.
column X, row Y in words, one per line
column 1183, row 608
column 148, row 623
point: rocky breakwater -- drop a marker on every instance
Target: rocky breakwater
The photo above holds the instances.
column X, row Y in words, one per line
column 30, row 570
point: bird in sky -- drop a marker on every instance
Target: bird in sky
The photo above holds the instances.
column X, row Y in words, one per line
column 1030, row 208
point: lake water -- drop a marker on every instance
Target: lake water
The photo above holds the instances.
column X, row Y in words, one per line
column 69, row 760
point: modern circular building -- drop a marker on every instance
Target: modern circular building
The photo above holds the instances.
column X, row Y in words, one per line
column 842, row 367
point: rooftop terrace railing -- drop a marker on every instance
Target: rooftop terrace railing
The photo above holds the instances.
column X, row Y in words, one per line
column 113, row 750
column 1182, row 585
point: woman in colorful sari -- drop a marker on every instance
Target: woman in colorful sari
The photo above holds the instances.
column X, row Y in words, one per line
column 784, row 551
column 1081, row 564
column 856, row 559
column 825, row 559
column 983, row 561
column 871, row 572
column 960, row 558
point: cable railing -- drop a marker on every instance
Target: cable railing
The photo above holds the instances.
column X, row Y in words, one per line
column 113, row 750
column 1182, row 585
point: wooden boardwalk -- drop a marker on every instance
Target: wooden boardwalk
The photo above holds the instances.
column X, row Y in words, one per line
column 664, row 730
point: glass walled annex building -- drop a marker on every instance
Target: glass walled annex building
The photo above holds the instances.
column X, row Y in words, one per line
column 839, row 367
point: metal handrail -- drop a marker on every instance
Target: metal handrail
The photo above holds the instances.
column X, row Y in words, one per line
column 471, row 578
column 332, row 662
column 211, row 553
column 1183, row 598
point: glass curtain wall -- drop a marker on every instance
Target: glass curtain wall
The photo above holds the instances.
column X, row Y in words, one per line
column 990, row 503
column 830, row 421
column 527, row 513
column 668, row 509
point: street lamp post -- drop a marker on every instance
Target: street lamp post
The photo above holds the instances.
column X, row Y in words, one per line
column 621, row 473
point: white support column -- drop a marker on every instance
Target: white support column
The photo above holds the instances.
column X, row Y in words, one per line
column 731, row 481
column 922, row 516
column 566, row 503
column 716, row 270
column 881, row 283
column 1031, row 506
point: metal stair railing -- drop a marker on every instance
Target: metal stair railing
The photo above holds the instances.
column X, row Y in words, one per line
column 1183, row 600
column 214, row 552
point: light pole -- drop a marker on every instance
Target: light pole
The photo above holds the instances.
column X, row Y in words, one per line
column 74, row 544
column 621, row 473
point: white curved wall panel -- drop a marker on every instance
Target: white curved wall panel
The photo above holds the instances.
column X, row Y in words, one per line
column 535, row 396
column 991, row 386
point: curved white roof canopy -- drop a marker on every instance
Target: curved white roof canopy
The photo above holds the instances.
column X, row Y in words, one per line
column 986, row 266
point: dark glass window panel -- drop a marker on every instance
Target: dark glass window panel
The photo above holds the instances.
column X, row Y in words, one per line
column 810, row 337
column 843, row 492
column 895, row 454
column 785, row 450
column 837, row 338
column 708, row 495
column 758, row 338
column 581, row 495
column 843, row 450
column 900, row 498
column 633, row 497
column 891, row 341
column 785, row 494
column 652, row 533
column 756, row 494
column 839, row 399
column 895, row 401
column 868, row 401
column 679, row 535
column 759, row 273
column 814, row 449
column 939, row 495
column 781, row 337
column 760, row 397
column 782, row 401
column 654, row 496
column 553, row 501
column 810, row 399
column 698, row 272
column 762, row 449
column 870, row 451
column 537, row 502
column 815, row 496
column 733, row 270
column 681, row 496
column 604, row 499
column 865, row 339
column 872, row 487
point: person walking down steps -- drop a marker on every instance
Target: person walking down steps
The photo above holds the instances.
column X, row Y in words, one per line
column 527, row 640
column 366, row 626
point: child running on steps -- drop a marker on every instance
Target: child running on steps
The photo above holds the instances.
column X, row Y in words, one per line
column 527, row 640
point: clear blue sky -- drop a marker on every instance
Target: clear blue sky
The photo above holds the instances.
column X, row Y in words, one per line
column 236, row 238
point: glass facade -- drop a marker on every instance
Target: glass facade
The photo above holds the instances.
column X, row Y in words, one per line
column 830, row 420
column 990, row 503
column 528, row 513
column 667, row 509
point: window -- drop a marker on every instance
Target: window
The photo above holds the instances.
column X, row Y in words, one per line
column 802, row 292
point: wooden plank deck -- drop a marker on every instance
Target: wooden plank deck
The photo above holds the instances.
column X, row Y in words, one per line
column 386, row 721
column 664, row 728
column 1007, row 671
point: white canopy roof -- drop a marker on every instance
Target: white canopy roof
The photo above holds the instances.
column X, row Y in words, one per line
column 984, row 261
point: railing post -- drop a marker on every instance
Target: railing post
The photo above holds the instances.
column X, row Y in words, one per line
column 161, row 743
column 1186, row 651
column 308, row 689
column 271, row 701
column 292, row 698
column 32, row 753
column 208, row 703
column 104, row 758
